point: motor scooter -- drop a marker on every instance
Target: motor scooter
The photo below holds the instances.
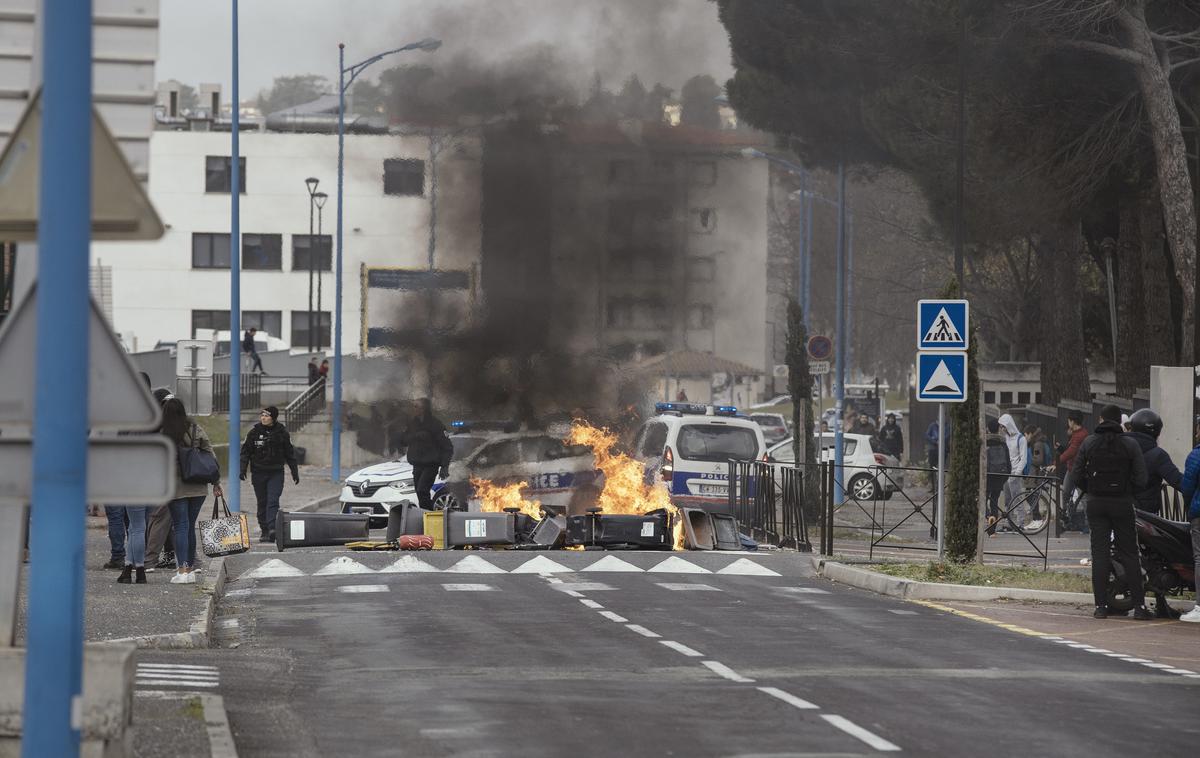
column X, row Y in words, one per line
column 1168, row 567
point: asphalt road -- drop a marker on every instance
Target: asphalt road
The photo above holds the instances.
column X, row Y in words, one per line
column 454, row 663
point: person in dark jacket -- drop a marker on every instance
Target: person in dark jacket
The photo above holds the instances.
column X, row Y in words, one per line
column 429, row 450
column 1076, row 434
column 1110, row 468
column 1190, row 486
column 891, row 439
column 1145, row 426
column 249, row 349
column 267, row 449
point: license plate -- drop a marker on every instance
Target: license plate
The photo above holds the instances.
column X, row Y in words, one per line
column 714, row 489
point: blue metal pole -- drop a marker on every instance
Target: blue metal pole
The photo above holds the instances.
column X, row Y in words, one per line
column 850, row 294
column 54, row 660
column 234, row 491
column 839, row 380
column 336, row 453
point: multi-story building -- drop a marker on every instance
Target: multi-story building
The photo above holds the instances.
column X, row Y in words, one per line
column 168, row 289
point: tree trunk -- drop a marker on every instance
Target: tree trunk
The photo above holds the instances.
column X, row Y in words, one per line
column 1170, row 157
column 1132, row 370
column 1064, row 366
column 1159, row 336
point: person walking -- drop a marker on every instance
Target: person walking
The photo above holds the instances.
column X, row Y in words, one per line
column 249, row 349
column 116, row 536
column 1109, row 468
column 134, row 570
column 189, row 496
column 932, row 433
column 998, row 469
column 265, row 452
column 1018, row 460
column 314, row 374
column 891, row 438
column 1190, row 487
column 323, row 370
column 429, row 450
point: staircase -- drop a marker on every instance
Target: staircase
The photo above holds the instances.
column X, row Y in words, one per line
column 308, row 406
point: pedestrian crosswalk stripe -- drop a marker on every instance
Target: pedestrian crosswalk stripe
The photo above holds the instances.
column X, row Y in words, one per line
column 541, row 565
column 744, row 567
column 685, row 587
column 612, row 563
column 408, row 564
column 271, row 569
column 469, row 587
column 176, row 675
column 675, row 565
column 343, row 565
column 473, row 564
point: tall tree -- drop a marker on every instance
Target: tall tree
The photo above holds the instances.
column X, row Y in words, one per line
column 699, row 102
column 800, row 387
column 290, row 91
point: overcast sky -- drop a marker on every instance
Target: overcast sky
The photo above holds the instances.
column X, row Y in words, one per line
column 660, row 40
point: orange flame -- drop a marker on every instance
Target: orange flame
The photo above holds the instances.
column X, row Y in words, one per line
column 625, row 487
column 496, row 497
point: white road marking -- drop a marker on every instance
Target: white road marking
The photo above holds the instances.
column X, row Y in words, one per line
column 227, row 623
column 473, row 564
column 408, row 564
column 613, row 617
column 364, row 588
column 1153, row 665
column 788, row 698
column 720, row 669
column 1122, row 656
column 273, row 568
column 1097, row 650
column 1179, row 671
column 744, row 567
column 903, row 613
column 679, row 647
column 675, row 565
column 804, row 590
column 469, row 587
column 175, row 683
column 642, row 631
column 573, row 593
column 343, row 565
column 583, row 587
column 612, row 563
column 541, row 565
column 854, row 730
column 238, row 593
column 179, row 666
column 591, row 604
column 1139, row 660
column 684, row 587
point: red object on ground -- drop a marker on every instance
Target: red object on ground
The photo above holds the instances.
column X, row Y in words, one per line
column 416, row 542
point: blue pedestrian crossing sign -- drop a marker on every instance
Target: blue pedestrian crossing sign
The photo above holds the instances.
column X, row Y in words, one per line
column 942, row 377
column 942, row 324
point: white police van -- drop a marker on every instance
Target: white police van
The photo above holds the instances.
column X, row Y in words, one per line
column 688, row 446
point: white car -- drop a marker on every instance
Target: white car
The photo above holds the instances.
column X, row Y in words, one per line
column 560, row 476
column 774, row 426
column 861, row 465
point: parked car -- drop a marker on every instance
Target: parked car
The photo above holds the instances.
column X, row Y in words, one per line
column 774, row 426
column 861, row 465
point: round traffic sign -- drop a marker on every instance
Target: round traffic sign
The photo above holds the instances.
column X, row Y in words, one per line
column 820, row 347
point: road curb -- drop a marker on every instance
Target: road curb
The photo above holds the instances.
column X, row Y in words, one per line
column 220, row 736
column 200, row 633
column 315, row 505
column 909, row 589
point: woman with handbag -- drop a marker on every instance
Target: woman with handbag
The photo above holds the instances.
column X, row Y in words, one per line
column 196, row 470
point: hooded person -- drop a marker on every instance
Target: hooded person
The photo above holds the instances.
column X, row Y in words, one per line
column 1018, row 458
column 1145, row 426
column 428, row 450
column 265, row 451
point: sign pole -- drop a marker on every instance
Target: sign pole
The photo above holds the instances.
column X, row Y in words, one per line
column 941, row 482
column 53, row 709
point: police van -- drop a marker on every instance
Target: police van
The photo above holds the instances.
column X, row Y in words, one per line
column 688, row 446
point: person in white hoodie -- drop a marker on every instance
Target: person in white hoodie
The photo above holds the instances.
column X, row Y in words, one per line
column 1018, row 458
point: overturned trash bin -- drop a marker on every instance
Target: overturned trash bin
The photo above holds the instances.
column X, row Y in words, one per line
column 474, row 528
column 320, row 529
column 550, row 532
column 405, row 518
column 647, row 531
column 725, row 532
column 698, row 532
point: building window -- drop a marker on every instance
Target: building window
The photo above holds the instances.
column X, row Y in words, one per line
column 218, row 175
column 262, row 252
column 322, row 260
column 1023, row 398
column 700, row 317
column 210, row 250
column 703, row 173
column 1037, row 397
column 635, row 313
column 701, row 269
column 1005, row 398
column 270, row 322
column 215, row 320
column 404, row 176
column 704, row 220
column 989, row 397
column 300, row 329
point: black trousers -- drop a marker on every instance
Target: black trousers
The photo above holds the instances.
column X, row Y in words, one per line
column 1114, row 516
column 423, row 479
column 268, row 486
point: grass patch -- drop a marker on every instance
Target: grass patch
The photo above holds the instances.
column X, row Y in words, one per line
column 216, row 427
column 193, row 708
column 988, row 576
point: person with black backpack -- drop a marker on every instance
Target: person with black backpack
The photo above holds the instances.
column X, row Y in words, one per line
column 998, row 469
column 1110, row 469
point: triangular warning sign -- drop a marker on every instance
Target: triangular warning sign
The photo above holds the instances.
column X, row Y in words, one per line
column 120, row 208
column 942, row 330
column 941, row 382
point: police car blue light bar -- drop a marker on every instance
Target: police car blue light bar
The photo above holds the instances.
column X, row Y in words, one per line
column 724, row 410
column 458, row 424
column 681, row 408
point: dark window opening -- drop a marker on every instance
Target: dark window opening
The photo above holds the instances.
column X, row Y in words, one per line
column 404, row 176
column 1005, row 398
column 989, row 397
column 322, row 259
column 300, row 329
column 218, row 174
column 266, row 322
column 262, row 252
column 215, row 320
column 1023, row 398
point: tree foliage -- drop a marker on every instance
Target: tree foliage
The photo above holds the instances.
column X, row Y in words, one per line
column 290, row 91
column 699, row 102
column 962, row 470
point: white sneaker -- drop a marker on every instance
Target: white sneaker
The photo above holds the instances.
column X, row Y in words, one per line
column 1192, row 616
column 179, row 578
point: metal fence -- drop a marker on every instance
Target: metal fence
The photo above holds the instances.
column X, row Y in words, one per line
column 767, row 501
column 305, row 407
column 251, row 392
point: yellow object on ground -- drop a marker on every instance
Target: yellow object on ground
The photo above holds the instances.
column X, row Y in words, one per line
column 434, row 528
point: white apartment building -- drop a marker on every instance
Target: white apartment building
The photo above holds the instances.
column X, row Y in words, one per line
column 165, row 290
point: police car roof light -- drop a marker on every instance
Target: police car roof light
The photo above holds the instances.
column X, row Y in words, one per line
column 680, row 408
column 725, row 410
column 458, row 424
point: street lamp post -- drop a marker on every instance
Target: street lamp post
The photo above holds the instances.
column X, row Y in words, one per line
column 311, row 183
column 346, row 77
column 319, row 198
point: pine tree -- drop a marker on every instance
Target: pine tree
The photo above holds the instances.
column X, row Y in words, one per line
column 962, row 470
column 800, row 385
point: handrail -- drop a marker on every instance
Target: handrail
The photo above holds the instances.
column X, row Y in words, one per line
column 305, row 407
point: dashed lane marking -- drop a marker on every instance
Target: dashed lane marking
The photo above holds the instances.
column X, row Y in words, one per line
column 679, row 647
column 591, row 604
column 469, row 588
column 804, row 590
column 789, row 698
column 903, row 613
column 685, row 587
column 854, row 730
column 614, row 617
column 720, row 669
column 638, row 628
column 570, row 587
column 354, row 588
column 573, row 593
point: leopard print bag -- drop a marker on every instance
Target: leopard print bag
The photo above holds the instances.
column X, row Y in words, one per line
column 226, row 534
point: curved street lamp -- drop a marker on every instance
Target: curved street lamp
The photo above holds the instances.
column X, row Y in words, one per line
column 311, row 182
